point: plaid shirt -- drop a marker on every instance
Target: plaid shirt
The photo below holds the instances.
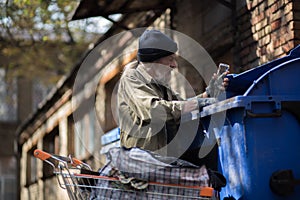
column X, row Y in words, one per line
column 153, row 173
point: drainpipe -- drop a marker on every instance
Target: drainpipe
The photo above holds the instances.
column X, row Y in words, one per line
column 236, row 48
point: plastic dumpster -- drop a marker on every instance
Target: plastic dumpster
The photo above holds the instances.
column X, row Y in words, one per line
column 257, row 131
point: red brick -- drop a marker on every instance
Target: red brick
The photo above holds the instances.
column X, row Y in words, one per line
column 266, row 40
column 254, row 3
column 254, row 20
column 283, row 40
column 277, row 15
column 258, row 26
column 286, row 32
column 288, row 8
column 283, row 30
column 273, row 8
column 253, row 29
column 270, row 2
column 276, row 43
column 290, row 36
column 281, row 3
column 275, row 24
column 268, row 29
column 278, row 4
column 261, row 33
column 261, row 51
column 270, row 47
column 255, row 11
column 278, row 52
column 268, row 13
column 262, row 7
column 263, row 59
column 289, row 17
column 265, row 22
column 255, row 36
column 257, row 18
column 249, row 5
column 264, row 50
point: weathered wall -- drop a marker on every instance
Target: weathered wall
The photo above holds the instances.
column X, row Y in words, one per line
column 255, row 32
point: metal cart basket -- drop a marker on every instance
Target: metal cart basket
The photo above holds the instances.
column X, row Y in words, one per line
column 80, row 182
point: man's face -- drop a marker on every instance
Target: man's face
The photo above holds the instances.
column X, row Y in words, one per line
column 169, row 61
column 163, row 68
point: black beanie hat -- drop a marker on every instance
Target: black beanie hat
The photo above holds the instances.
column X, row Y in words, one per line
column 153, row 45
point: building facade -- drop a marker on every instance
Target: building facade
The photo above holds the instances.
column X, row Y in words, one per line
column 78, row 117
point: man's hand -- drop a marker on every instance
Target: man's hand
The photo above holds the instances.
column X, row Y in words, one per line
column 197, row 103
column 190, row 105
column 217, row 84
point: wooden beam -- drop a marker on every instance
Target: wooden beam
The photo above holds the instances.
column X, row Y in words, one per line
column 118, row 68
column 103, row 13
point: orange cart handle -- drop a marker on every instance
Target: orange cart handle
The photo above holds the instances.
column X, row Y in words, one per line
column 41, row 154
column 76, row 161
column 44, row 156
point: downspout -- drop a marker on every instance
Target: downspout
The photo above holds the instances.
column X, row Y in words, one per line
column 236, row 44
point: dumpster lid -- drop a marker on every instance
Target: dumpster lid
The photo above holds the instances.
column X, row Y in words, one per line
column 246, row 103
column 239, row 83
column 271, row 82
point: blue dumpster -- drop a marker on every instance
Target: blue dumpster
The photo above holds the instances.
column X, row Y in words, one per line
column 257, row 129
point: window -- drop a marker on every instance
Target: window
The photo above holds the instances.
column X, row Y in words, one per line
column 31, row 168
column 50, row 145
column 71, row 138
column 80, row 139
column 85, row 135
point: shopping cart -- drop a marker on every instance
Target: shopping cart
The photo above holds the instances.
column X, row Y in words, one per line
column 80, row 182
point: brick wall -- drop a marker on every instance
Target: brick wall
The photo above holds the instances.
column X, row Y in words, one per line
column 257, row 32
column 270, row 33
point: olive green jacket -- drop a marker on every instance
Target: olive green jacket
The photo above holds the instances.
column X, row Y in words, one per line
column 149, row 114
column 144, row 109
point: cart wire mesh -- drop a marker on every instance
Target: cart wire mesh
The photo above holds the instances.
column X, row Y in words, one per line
column 81, row 183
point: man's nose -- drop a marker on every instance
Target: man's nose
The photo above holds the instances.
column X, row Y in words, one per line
column 173, row 64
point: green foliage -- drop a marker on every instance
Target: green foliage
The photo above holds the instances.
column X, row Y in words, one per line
column 36, row 38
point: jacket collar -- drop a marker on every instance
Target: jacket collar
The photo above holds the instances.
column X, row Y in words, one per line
column 142, row 68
